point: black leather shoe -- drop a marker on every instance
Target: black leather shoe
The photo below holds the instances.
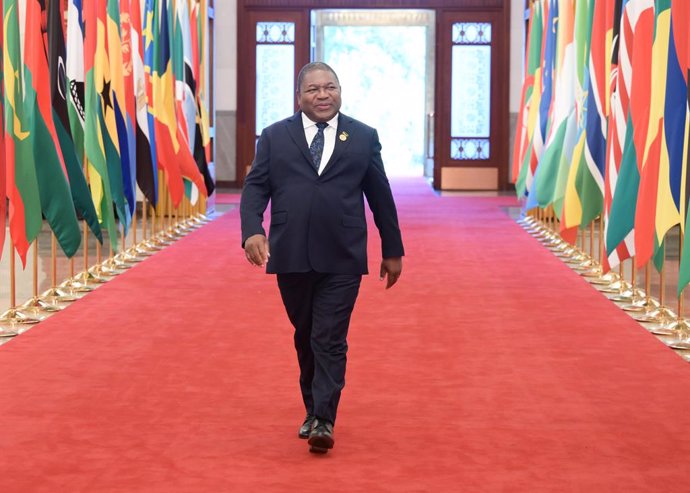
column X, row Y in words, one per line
column 306, row 426
column 321, row 437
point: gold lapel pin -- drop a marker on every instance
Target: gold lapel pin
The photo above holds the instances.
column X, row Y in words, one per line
column 344, row 136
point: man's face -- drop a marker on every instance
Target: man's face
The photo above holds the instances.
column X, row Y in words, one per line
column 319, row 95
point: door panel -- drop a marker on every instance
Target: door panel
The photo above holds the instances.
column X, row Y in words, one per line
column 470, row 148
column 279, row 44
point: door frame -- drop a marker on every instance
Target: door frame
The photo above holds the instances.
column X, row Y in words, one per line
column 251, row 11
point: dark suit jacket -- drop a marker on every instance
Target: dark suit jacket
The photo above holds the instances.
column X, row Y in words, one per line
column 317, row 221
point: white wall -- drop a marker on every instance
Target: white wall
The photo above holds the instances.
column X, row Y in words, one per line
column 226, row 55
column 517, row 28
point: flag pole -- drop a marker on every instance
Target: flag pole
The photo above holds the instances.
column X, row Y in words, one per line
column 98, row 272
column 126, row 256
column 105, row 268
column 624, row 293
column 36, row 305
column 603, row 280
column 88, row 276
column 115, row 263
column 164, row 236
column 579, row 255
column 144, row 247
column 648, row 304
column 587, row 264
column 633, row 299
column 595, row 273
column 663, row 316
column 56, row 295
column 152, row 243
column 680, row 327
column 12, row 317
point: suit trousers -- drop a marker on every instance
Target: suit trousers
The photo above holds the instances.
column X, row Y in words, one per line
column 319, row 307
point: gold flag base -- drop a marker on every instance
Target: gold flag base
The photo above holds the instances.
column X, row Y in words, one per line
column 17, row 317
column 6, row 332
column 662, row 318
column 88, row 277
column 642, row 309
column 41, row 305
column 57, row 295
column 140, row 251
column 76, row 288
column 604, row 280
column 619, row 286
column 127, row 258
column 681, row 331
column 150, row 247
column 112, row 267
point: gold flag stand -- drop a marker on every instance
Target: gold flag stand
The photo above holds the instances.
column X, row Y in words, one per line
column 14, row 317
column 662, row 316
column 647, row 305
column 86, row 279
column 56, row 294
column 35, row 306
column 603, row 280
column 680, row 327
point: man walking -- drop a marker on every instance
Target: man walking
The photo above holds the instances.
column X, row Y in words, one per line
column 316, row 167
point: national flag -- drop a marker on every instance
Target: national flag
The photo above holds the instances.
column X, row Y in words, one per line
column 531, row 61
column 119, row 133
column 621, row 46
column 74, row 67
column 3, row 173
column 640, row 15
column 671, row 194
column 59, row 93
column 147, row 174
column 162, row 100
column 185, row 86
column 22, row 184
column 94, row 139
column 201, row 74
column 654, row 155
column 590, row 187
column 127, row 33
column 562, row 108
column 528, row 161
column 578, row 112
column 201, row 124
column 172, row 150
column 53, row 182
column 571, row 216
column 680, row 12
column 185, row 82
column 546, row 101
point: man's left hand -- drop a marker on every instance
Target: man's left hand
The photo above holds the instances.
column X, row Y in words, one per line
column 391, row 268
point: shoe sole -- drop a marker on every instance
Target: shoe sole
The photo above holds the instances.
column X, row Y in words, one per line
column 320, row 445
column 303, row 437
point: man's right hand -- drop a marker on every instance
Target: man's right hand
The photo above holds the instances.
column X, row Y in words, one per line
column 256, row 250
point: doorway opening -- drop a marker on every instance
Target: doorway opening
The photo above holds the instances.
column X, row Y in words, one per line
column 385, row 62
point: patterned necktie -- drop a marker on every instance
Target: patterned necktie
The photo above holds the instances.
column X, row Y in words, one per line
column 316, row 147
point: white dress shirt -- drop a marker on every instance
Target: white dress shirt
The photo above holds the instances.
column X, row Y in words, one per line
column 329, row 132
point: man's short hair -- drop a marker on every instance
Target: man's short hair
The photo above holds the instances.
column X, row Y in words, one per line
column 311, row 67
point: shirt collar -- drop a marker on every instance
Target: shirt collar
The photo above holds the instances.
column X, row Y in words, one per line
column 307, row 122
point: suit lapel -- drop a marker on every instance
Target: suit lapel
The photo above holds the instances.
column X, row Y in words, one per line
column 296, row 130
column 342, row 141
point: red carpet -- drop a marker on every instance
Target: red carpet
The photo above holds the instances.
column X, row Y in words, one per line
column 490, row 367
column 227, row 198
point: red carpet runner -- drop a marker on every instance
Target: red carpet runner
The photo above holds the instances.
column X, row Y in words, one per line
column 490, row 367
